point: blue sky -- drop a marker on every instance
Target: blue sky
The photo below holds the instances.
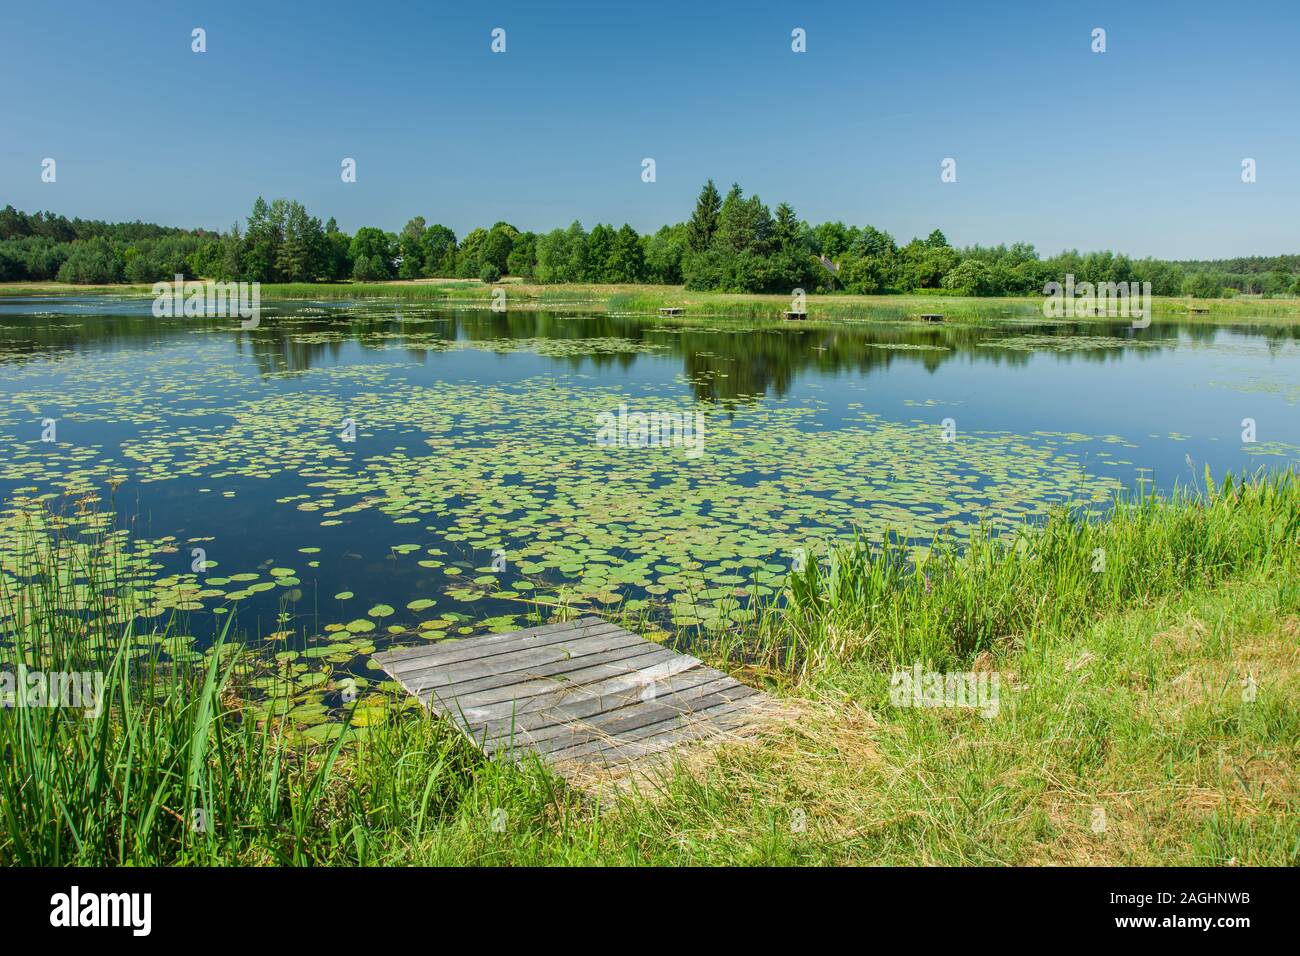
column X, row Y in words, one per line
column 1138, row 149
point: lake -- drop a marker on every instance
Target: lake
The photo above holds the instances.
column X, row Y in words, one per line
column 354, row 474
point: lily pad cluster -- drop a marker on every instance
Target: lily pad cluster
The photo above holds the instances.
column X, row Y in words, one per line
column 488, row 497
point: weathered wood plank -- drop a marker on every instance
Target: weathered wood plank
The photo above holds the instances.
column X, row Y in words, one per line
column 520, row 660
column 616, row 724
column 482, row 647
column 581, row 692
column 453, row 652
column 567, row 703
column 581, row 681
column 555, row 671
column 700, row 723
column 583, row 717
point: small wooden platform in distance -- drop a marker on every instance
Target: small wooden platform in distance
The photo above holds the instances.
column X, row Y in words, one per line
column 671, row 311
column 795, row 315
column 931, row 316
column 576, row 694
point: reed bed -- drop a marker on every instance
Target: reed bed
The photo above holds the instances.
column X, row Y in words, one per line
column 874, row 602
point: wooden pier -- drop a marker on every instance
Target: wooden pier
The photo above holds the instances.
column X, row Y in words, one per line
column 580, row 695
column 931, row 316
column 672, row 311
column 795, row 315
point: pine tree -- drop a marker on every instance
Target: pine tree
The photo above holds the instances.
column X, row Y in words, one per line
column 298, row 254
column 704, row 221
column 786, row 230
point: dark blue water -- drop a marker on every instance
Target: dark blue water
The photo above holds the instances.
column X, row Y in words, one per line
column 464, row 387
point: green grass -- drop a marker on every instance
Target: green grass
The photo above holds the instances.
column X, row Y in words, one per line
column 123, row 785
column 873, row 603
column 1122, row 693
column 648, row 299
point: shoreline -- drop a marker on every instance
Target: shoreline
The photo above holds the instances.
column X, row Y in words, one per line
column 647, row 300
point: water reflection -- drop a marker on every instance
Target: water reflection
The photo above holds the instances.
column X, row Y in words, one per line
column 724, row 360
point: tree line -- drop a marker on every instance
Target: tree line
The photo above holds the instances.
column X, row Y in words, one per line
column 731, row 243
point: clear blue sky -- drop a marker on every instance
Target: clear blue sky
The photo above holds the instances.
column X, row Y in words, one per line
column 1138, row 149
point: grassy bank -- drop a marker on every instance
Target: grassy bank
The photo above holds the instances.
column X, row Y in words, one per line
column 1145, row 716
column 647, row 300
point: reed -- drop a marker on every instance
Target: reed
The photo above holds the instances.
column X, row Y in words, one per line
column 1192, row 584
column 873, row 602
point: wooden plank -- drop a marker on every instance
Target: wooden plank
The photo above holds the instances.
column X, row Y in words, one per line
column 532, row 685
column 567, row 721
column 699, row 724
column 471, row 668
column 586, row 719
column 627, row 687
column 716, row 715
column 481, row 648
column 489, row 644
column 615, row 724
column 583, row 691
column 487, row 641
column 557, row 670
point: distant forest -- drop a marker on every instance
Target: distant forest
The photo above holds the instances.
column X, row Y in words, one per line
column 731, row 243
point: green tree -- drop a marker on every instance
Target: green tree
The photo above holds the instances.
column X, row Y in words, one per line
column 562, row 254
column 261, row 244
column 832, row 240
column 552, row 256
column 663, row 254
column 703, row 223
column 600, row 244
column 337, row 252
column 439, row 244
column 874, row 243
column 862, row 275
column 91, row 262
column 410, row 247
column 301, row 255
column 972, row 277
column 744, row 225
column 786, row 230
column 626, row 261
column 469, row 257
column 497, row 245
column 1203, row 285
column 922, row 265
column 523, row 256
column 372, row 252
column 232, row 251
